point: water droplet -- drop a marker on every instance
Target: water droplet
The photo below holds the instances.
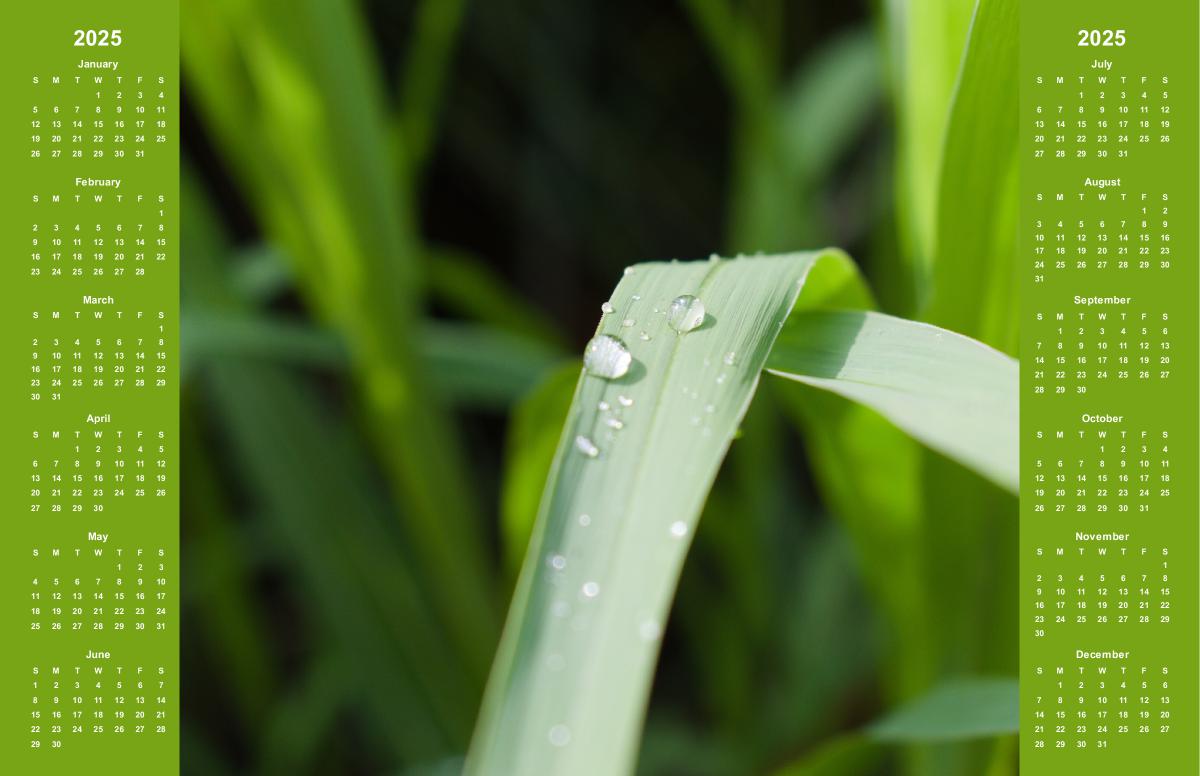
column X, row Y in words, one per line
column 606, row 356
column 560, row 609
column 557, row 562
column 560, row 735
column 644, row 337
column 628, row 322
column 710, row 408
column 721, row 378
column 679, row 529
column 630, row 270
column 614, row 423
column 604, row 406
column 713, row 257
column 695, row 421
column 624, row 401
column 636, row 297
column 586, row 446
column 585, row 520
column 606, row 308
column 591, row 589
column 730, row 358
column 649, row 630
column 685, row 314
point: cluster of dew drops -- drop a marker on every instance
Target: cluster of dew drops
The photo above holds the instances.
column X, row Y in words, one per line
column 608, row 357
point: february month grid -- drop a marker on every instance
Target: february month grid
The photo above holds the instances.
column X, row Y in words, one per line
column 1107, row 267
column 90, row 577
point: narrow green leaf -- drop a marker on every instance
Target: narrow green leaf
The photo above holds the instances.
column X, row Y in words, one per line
column 569, row 686
column 819, row 122
column 957, row 710
column 974, row 286
column 468, row 364
column 470, row 288
column 926, row 41
column 954, row 394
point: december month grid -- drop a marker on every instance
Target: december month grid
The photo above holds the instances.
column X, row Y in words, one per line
column 90, row 218
column 1108, row 274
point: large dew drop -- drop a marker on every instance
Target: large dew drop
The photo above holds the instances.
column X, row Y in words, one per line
column 686, row 313
column 606, row 356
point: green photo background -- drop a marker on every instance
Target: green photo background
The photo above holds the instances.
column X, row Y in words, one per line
column 400, row 217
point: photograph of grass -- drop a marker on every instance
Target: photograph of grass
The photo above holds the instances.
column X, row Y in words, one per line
column 479, row 480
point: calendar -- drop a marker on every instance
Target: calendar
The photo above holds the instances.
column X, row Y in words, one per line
column 1108, row 267
column 90, row 229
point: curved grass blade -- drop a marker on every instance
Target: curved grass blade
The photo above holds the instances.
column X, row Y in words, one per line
column 954, row 394
column 568, row 689
column 957, row 710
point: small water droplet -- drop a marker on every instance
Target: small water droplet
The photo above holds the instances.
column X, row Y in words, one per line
column 730, row 358
column 560, row 609
column 560, row 735
column 624, row 401
column 636, row 297
column 695, row 421
column 721, row 378
column 557, row 562
column 591, row 589
column 694, row 394
column 685, row 314
column 649, row 630
column 604, row 406
column 644, row 337
column 630, row 270
column 713, row 257
column 710, row 408
column 679, row 529
column 614, row 423
column 585, row 520
column 586, row 446
column 606, row 308
column 606, row 356
column 628, row 322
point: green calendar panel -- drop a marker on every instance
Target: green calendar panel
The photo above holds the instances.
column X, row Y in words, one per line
column 1109, row 505
column 90, row 218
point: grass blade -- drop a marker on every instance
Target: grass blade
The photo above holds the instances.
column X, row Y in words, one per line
column 960, row 709
column 974, row 279
column 569, row 685
column 927, row 43
column 954, row 394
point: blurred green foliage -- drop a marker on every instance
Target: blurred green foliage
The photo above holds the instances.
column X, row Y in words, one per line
column 401, row 217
